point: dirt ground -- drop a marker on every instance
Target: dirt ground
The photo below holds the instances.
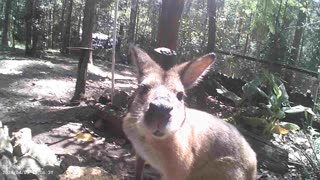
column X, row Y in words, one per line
column 34, row 93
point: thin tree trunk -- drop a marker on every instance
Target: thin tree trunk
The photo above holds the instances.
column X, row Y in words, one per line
column 301, row 46
column 29, row 20
column 293, row 56
column 275, row 53
column 137, row 25
column 6, row 24
column 35, row 27
column 79, row 25
column 239, row 28
column 133, row 20
column 86, row 43
column 247, row 38
column 13, row 36
column 53, row 32
column 297, row 37
column 154, row 16
column 62, row 23
column 169, row 23
column 211, row 8
column 49, row 40
column 67, row 29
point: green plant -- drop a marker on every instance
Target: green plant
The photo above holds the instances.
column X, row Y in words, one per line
column 275, row 94
column 273, row 90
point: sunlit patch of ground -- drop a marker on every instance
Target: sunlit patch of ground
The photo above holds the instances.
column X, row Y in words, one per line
column 34, row 93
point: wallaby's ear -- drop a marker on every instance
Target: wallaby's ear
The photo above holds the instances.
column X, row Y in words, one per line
column 143, row 61
column 191, row 72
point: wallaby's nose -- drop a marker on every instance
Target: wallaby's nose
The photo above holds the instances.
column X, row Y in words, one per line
column 160, row 105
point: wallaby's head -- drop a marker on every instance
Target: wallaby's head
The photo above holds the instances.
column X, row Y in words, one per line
column 159, row 107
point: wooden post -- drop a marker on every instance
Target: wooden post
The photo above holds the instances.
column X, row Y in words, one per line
column 81, row 73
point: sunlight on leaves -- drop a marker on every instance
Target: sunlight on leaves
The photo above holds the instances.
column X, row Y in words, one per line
column 84, row 137
column 279, row 130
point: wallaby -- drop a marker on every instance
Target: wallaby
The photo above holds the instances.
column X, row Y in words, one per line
column 182, row 143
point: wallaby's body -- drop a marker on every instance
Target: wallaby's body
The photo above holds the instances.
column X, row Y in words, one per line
column 183, row 143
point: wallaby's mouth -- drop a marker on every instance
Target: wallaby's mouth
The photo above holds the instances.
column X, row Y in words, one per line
column 158, row 133
column 157, row 122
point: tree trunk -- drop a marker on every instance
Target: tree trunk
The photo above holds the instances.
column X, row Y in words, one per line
column 154, row 27
column 49, row 24
column 79, row 25
column 86, row 43
column 6, row 24
column 239, row 29
column 277, row 51
column 67, row 29
column 169, row 23
column 29, row 21
column 297, row 37
column 293, row 56
column 137, row 25
column 62, row 23
column 133, row 19
column 211, row 8
column 53, row 29
column 35, row 27
column 247, row 39
column 13, row 34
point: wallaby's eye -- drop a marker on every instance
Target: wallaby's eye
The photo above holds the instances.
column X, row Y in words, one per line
column 180, row 95
column 143, row 89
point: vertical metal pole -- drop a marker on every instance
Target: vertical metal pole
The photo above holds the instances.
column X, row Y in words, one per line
column 114, row 47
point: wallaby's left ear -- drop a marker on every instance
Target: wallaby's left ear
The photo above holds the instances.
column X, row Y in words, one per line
column 191, row 72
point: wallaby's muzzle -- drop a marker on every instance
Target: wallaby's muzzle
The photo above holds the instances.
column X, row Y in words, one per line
column 161, row 106
column 158, row 115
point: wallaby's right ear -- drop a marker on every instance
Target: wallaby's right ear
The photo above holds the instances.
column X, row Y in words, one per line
column 143, row 61
column 191, row 72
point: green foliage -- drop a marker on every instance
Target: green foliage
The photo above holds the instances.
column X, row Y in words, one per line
column 276, row 95
column 273, row 90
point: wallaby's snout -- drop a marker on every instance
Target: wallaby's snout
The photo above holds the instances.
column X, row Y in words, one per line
column 161, row 106
column 159, row 113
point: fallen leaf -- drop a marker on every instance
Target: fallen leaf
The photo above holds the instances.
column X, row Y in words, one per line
column 279, row 130
column 85, row 137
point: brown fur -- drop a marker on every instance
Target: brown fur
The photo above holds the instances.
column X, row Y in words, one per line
column 192, row 144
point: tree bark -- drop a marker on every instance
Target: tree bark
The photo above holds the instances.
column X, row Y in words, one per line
column 79, row 25
column 211, row 8
column 62, row 23
column 35, row 26
column 53, row 29
column 247, row 39
column 154, row 26
column 49, row 24
column 297, row 37
column 133, row 20
column 86, row 44
column 277, row 49
column 169, row 23
column 6, row 24
column 67, row 30
column 29, row 20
